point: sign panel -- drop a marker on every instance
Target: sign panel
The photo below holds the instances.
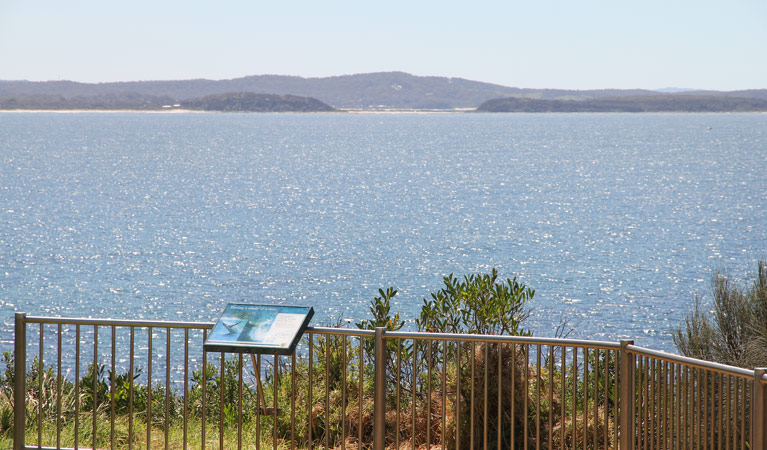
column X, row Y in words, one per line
column 246, row 328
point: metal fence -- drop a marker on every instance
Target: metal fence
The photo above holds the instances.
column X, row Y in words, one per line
column 148, row 384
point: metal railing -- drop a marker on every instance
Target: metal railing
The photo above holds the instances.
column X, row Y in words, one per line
column 149, row 384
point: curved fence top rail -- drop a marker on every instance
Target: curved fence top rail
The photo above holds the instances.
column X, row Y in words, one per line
column 335, row 331
column 692, row 362
column 502, row 339
column 117, row 322
column 697, row 363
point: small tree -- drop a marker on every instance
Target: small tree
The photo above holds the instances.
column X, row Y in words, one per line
column 482, row 304
column 479, row 304
column 735, row 332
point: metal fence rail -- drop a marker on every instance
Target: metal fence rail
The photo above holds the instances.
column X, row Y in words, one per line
column 148, row 384
column 685, row 403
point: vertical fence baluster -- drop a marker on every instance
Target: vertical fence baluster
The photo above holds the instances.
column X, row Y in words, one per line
column 413, row 393
column 239, row 401
column 359, row 428
column 575, row 376
column 685, row 406
column 702, row 412
column 327, row 391
column 727, row 415
column 720, row 410
column 471, row 417
column 616, row 397
column 77, row 386
column 113, row 402
column 596, row 396
column 627, row 390
column 609, row 407
column 513, row 383
column 130, row 388
column 443, row 432
column 428, row 393
column 674, row 405
column 743, row 399
column 19, row 382
column 399, row 384
column 310, row 406
column 343, row 395
column 668, row 379
column 703, row 415
column 551, row 398
column 221, row 384
column 41, row 366
column 708, row 422
column 458, row 395
column 526, row 393
column 712, row 425
column 485, row 384
column 293, row 401
column 563, row 397
column 500, row 396
column 95, row 380
column 276, row 380
column 259, row 399
column 642, row 407
column 662, row 404
column 538, row 397
column 186, row 387
column 759, row 410
column 58, row 388
column 149, row 391
column 379, row 402
column 204, row 385
column 167, row 386
column 585, row 396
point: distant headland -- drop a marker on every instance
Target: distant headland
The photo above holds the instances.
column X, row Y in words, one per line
column 381, row 91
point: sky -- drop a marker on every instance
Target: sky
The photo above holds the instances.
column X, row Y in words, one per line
column 585, row 44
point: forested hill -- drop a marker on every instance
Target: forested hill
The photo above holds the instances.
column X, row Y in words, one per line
column 648, row 103
column 395, row 90
column 231, row 102
column 363, row 91
column 250, row 102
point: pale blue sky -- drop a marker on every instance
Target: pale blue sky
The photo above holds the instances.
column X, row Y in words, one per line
column 581, row 44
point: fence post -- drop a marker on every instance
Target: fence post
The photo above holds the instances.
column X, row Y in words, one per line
column 19, row 381
column 379, row 402
column 759, row 413
column 627, row 389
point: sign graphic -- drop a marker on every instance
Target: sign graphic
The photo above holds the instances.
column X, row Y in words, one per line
column 246, row 328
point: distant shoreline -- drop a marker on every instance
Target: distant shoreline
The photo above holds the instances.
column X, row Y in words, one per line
column 351, row 111
column 196, row 111
column 107, row 111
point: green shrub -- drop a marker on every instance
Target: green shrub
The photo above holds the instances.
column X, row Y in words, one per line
column 735, row 331
column 479, row 304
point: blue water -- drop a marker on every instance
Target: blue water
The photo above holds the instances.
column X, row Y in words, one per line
column 616, row 220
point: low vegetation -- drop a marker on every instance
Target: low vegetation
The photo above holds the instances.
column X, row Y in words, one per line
column 732, row 329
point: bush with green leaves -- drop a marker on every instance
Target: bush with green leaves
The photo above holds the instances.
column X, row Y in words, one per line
column 733, row 330
column 478, row 304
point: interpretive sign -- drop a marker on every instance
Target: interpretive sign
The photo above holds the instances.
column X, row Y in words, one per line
column 246, row 328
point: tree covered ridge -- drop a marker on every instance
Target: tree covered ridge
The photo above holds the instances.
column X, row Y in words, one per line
column 397, row 90
column 231, row 102
column 251, row 102
column 644, row 103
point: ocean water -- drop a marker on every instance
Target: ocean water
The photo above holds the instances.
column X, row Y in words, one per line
column 616, row 220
